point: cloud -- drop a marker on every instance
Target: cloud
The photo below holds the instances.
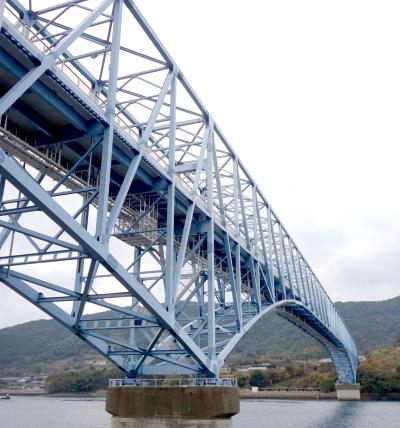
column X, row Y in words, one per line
column 356, row 261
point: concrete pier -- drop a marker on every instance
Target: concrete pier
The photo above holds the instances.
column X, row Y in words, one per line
column 180, row 407
column 348, row 391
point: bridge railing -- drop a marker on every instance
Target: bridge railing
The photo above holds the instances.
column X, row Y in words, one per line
column 171, row 383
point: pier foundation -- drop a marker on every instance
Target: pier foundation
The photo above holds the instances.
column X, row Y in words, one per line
column 348, row 391
column 172, row 407
column 169, row 423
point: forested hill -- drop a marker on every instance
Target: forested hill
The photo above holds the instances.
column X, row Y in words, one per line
column 33, row 346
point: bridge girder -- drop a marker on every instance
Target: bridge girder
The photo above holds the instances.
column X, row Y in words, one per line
column 138, row 200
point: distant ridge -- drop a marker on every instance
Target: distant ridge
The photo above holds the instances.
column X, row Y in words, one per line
column 31, row 347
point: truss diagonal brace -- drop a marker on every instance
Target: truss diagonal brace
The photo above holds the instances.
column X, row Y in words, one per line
column 31, row 189
column 33, row 296
column 30, row 78
column 55, row 312
column 19, row 229
column 136, row 160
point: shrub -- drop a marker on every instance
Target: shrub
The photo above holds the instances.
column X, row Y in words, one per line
column 328, row 383
column 256, row 378
column 88, row 380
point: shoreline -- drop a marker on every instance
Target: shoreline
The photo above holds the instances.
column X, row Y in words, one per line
column 287, row 395
column 243, row 394
column 24, row 393
column 309, row 395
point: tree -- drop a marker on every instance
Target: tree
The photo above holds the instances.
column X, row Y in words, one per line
column 256, row 378
column 328, row 383
column 80, row 381
column 243, row 380
column 380, row 373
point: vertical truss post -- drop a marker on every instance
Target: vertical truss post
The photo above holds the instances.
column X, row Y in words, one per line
column 271, row 246
column 5, row 232
column 309, row 300
column 294, row 269
column 248, row 244
column 189, row 213
column 327, row 307
column 132, row 331
column 256, row 245
column 84, row 222
column 227, row 244
column 210, row 246
column 324, row 305
column 2, row 187
column 283, row 262
column 238, row 279
column 291, row 268
column 265, row 268
column 170, row 298
column 322, row 300
column 285, row 259
column 2, row 6
column 318, row 297
column 307, row 286
column 108, row 136
column 312, row 293
column 330, row 313
column 80, row 263
column 105, row 169
column 275, row 251
column 303, row 297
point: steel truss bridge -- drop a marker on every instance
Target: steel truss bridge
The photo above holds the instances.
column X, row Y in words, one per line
column 125, row 214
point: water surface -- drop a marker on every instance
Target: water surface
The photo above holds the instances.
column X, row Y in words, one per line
column 41, row 412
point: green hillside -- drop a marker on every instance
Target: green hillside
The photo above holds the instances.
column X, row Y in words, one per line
column 380, row 372
column 31, row 347
column 373, row 324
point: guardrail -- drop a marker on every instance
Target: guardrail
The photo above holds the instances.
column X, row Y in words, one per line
column 291, row 389
column 170, row 383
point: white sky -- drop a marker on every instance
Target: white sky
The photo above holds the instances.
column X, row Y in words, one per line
column 308, row 93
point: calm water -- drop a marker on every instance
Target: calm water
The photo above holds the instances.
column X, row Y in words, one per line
column 77, row 413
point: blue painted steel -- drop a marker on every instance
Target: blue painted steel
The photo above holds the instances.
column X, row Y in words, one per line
column 138, row 200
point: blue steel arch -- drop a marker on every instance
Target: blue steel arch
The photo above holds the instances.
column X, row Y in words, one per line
column 343, row 359
column 114, row 173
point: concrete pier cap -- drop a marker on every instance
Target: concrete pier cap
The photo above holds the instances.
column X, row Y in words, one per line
column 348, row 391
column 182, row 403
